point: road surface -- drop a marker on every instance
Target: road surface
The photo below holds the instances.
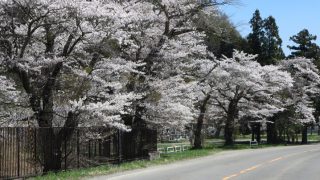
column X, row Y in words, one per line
column 283, row 163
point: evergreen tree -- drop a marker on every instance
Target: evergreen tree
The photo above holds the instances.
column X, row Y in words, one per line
column 256, row 37
column 272, row 51
column 305, row 45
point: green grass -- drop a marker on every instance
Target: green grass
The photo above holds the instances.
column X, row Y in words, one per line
column 313, row 137
column 164, row 159
column 109, row 169
column 212, row 146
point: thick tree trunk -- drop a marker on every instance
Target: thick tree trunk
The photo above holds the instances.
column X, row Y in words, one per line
column 304, row 134
column 197, row 133
column 272, row 137
column 52, row 155
column 252, row 135
column 41, row 101
column 229, row 127
column 258, row 132
column 52, row 143
column 228, row 133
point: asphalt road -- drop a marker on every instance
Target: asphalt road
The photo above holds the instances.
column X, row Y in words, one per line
column 285, row 163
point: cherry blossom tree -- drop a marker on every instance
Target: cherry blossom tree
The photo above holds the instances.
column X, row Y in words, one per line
column 12, row 105
column 305, row 89
column 168, row 46
column 65, row 57
column 93, row 63
column 241, row 87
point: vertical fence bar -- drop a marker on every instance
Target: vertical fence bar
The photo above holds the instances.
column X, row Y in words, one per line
column 65, row 153
column 7, row 153
column 78, row 149
column 100, row 147
column 119, row 146
column 95, row 148
column 18, row 151
column 10, row 151
column 1, row 152
column 5, row 157
column 13, row 157
column 4, row 152
column 35, row 152
column 89, row 146
column 24, row 159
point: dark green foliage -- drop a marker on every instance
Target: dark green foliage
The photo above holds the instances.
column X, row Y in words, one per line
column 305, row 46
column 256, row 37
column 272, row 50
column 264, row 39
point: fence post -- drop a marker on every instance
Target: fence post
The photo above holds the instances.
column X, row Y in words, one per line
column 100, row 147
column 95, row 148
column 1, row 153
column 120, row 145
column 35, row 150
column 18, row 151
column 89, row 145
column 78, row 148
column 65, row 153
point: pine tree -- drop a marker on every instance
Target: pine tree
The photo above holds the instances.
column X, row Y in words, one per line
column 256, row 37
column 305, row 45
column 272, row 51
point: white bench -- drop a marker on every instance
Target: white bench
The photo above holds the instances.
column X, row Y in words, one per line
column 161, row 150
column 177, row 149
column 185, row 147
column 254, row 143
column 170, row 149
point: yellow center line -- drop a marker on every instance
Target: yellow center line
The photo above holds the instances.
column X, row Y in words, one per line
column 267, row 162
column 242, row 172
column 229, row 177
column 250, row 169
column 277, row 159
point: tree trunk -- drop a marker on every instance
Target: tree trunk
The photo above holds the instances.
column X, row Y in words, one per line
column 197, row 133
column 229, row 127
column 272, row 137
column 52, row 155
column 228, row 133
column 304, row 134
column 258, row 132
column 217, row 133
column 51, row 143
column 252, row 134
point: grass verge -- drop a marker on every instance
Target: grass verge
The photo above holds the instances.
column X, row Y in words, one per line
column 164, row 159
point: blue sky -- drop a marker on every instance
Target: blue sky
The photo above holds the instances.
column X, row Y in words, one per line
column 291, row 16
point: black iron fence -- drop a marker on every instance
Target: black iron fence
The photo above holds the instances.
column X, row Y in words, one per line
column 28, row 152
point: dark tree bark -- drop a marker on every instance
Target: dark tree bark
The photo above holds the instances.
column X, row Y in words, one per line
column 229, row 127
column 258, row 132
column 218, row 131
column 304, row 134
column 52, row 143
column 252, row 134
column 272, row 134
column 197, row 133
